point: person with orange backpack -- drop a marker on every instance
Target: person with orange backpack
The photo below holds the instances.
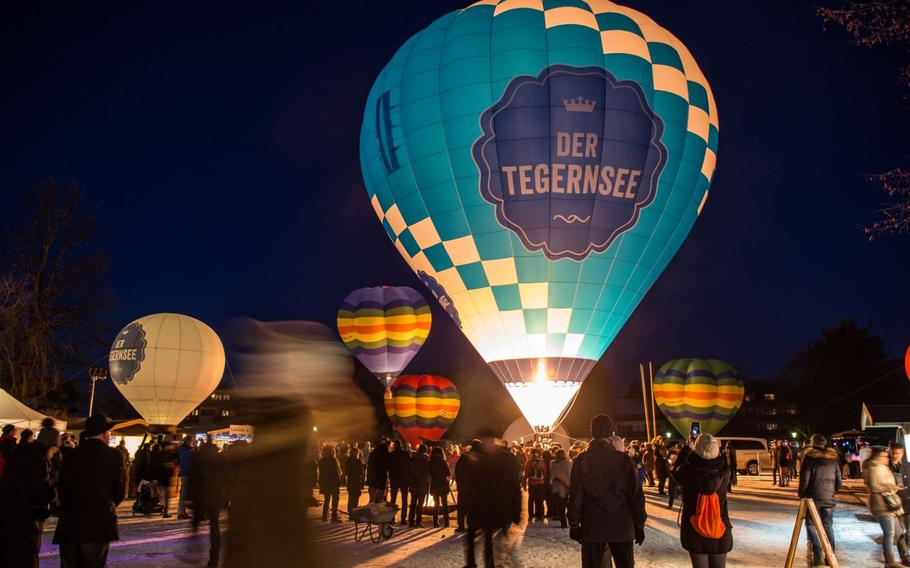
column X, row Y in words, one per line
column 705, row 529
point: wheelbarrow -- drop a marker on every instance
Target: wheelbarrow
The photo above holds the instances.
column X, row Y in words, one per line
column 379, row 514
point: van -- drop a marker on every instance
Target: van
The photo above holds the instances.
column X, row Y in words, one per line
column 751, row 454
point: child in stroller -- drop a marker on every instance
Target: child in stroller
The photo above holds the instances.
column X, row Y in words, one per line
column 146, row 500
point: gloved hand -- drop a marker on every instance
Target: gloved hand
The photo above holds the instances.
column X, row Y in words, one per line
column 575, row 533
column 639, row 535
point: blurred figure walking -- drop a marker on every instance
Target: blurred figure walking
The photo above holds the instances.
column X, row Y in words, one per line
column 885, row 505
column 207, row 490
column 185, row 455
column 560, row 482
column 493, row 496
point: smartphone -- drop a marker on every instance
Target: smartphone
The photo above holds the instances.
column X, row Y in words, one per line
column 695, row 430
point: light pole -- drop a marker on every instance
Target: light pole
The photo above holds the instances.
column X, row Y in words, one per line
column 95, row 374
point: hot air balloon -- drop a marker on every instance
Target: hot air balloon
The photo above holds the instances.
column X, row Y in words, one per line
column 907, row 362
column 165, row 365
column 538, row 166
column 385, row 327
column 707, row 391
column 422, row 407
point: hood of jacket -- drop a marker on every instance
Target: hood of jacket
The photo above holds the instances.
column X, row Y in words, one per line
column 821, row 453
column 709, row 474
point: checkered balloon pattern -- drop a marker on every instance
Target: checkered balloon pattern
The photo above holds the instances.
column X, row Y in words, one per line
column 538, row 164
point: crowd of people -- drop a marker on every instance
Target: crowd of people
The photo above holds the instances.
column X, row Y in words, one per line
column 593, row 489
column 83, row 480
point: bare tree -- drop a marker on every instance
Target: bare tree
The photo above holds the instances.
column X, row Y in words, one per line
column 872, row 24
column 52, row 290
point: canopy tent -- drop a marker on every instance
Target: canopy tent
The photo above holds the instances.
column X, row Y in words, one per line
column 14, row 412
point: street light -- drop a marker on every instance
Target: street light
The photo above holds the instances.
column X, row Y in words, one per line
column 95, row 374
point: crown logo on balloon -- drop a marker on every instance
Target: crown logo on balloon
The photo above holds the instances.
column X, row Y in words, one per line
column 579, row 104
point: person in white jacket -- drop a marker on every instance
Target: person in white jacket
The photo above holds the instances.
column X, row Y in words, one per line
column 885, row 506
column 560, row 480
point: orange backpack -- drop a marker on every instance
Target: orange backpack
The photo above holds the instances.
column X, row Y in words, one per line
column 707, row 520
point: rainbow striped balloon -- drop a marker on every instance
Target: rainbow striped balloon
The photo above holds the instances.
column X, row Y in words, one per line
column 385, row 327
column 422, row 407
column 707, row 391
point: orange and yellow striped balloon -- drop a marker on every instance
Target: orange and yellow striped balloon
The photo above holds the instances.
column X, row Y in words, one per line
column 385, row 327
column 707, row 391
column 422, row 407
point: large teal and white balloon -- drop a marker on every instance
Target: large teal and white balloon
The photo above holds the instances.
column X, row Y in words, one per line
column 538, row 164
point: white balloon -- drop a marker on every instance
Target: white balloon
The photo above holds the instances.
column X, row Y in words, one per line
column 165, row 365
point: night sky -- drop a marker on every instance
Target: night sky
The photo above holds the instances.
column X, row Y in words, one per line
column 219, row 146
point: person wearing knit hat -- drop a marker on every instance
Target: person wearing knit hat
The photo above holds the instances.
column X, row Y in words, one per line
column 49, row 436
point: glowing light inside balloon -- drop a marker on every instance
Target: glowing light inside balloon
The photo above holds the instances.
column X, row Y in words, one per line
column 542, row 400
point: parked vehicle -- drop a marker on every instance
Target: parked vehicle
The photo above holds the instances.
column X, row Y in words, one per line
column 751, row 454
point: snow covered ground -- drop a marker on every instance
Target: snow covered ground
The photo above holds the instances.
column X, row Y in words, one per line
column 762, row 515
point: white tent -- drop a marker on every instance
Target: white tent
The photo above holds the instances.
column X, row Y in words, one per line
column 14, row 412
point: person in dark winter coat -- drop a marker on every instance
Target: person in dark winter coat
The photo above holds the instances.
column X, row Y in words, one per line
column 901, row 470
column 26, row 492
column 783, row 463
column 329, row 483
column 185, row 457
column 378, row 464
column 606, row 501
column 701, row 471
column 493, row 494
column 419, row 484
column 730, row 459
column 354, row 474
column 820, row 478
column 162, row 464
column 536, row 479
column 7, row 445
column 661, row 465
column 207, row 491
column 398, row 476
column 92, row 485
column 439, row 486
column 462, row 484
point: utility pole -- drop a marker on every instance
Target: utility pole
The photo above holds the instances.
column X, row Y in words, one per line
column 95, row 374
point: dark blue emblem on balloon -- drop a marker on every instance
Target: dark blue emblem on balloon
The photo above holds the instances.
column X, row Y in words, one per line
column 439, row 292
column 569, row 158
column 127, row 353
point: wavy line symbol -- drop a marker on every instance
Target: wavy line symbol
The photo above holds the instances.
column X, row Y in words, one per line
column 572, row 218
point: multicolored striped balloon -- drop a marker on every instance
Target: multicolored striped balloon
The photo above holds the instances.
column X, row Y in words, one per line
column 385, row 327
column 707, row 391
column 422, row 407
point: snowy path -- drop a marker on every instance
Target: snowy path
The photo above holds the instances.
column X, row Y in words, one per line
column 762, row 517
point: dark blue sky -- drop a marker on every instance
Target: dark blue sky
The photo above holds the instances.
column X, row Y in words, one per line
column 219, row 145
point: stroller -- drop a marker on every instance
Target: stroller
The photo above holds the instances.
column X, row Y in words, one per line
column 146, row 501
